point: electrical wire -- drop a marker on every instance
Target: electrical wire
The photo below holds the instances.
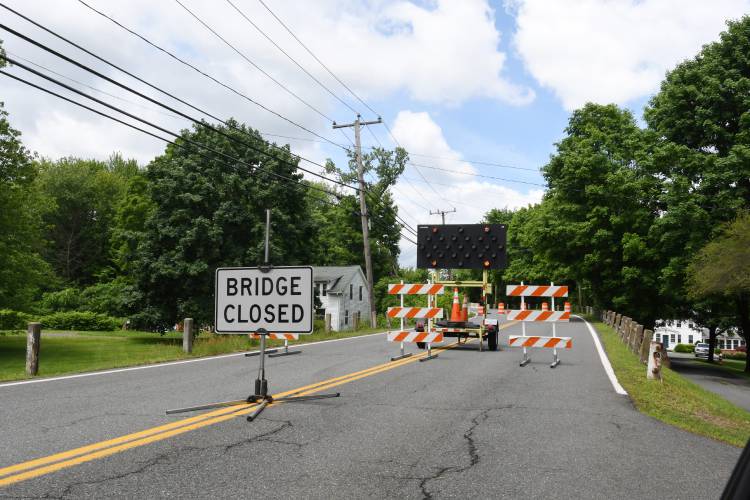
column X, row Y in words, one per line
column 176, row 58
column 316, row 58
column 290, row 57
column 250, row 61
column 476, row 175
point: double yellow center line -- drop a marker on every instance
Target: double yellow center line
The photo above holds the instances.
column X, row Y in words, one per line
column 52, row 463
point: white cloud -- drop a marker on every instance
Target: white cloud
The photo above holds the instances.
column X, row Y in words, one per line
column 444, row 52
column 471, row 197
column 613, row 50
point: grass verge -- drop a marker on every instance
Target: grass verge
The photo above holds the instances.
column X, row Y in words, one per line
column 75, row 352
column 675, row 401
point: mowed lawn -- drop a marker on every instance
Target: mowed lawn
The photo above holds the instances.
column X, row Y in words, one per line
column 75, row 352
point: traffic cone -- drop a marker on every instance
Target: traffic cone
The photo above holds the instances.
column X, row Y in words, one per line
column 456, row 308
column 500, row 308
column 545, row 306
column 567, row 307
column 465, row 309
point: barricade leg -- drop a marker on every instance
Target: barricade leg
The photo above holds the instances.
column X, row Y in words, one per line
column 285, row 352
column 555, row 359
column 526, row 358
column 402, row 355
column 429, row 353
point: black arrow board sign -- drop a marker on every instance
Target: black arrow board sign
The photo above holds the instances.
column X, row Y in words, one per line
column 279, row 300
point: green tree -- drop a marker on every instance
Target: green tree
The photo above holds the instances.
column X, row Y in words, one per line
column 722, row 268
column 131, row 213
column 23, row 272
column 209, row 212
column 83, row 196
column 701, row 117
column 594, row 221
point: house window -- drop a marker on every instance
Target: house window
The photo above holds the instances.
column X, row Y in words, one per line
column 351, row 291
column 671, row 338
column 346, row 316
column 658, row 337
column 690, row 339
column 679, row 339
column 325, row 289
column 679, row 324
column 360, row 293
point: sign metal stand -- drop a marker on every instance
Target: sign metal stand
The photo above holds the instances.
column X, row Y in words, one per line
column 261, row 383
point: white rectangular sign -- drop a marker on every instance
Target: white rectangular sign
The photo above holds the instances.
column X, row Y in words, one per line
column 280, row 300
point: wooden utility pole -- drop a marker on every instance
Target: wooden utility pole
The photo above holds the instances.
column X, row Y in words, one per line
column 357, row 124
column 442, row 214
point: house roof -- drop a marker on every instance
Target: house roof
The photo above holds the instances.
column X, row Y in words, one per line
column 337, row 277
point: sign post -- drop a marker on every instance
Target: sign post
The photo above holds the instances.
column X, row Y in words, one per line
column 263, row 300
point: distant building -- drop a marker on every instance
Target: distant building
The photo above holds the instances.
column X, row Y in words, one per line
column 681, row 331
column 342, row 292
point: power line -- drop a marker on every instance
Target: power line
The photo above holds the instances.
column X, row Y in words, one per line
column 143, row 96
column 317, row 59
column 476, row 162
column 176, row 58
column 475, row 175
column 169, row 141
column 290, row 57
column 250, row 61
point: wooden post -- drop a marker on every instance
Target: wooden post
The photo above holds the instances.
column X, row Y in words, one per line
column 645, row 343
column 328, row 323
column 653, row 369
column 187, row 335
column 33, row 337
column 635, row 343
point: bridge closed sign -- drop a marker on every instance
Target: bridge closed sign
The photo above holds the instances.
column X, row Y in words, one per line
column 279, row 300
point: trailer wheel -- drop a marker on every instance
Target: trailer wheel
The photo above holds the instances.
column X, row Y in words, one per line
column 421, row 345
column 492, row 340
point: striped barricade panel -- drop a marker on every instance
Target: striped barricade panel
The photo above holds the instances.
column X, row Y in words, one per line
column 410, row 289
column 536, row 291
column 544, row 342
column 277, row 336
column 415, row 337
column 415, row 312
column 536, row 315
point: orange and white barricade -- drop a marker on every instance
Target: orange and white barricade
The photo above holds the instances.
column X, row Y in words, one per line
column 429, row 313
column 272, row 353
column 544, row 315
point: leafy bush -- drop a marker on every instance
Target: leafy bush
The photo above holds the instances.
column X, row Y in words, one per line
column 68, row 299
column 116, row 298
column 80, row 320
column 684, row 348
column 735, row 355
column 13, row 320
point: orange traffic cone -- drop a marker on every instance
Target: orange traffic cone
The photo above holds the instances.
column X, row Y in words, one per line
column 456, row 308
column 545, row 306
column 500, row 308
column 465, row 309
column 567, row 307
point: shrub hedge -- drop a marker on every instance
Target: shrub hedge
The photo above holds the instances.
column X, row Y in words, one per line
column 684, row 348
column 13, row 320
column 80, row 320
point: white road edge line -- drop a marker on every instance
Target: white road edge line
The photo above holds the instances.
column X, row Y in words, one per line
column 170, row 363
column 604, row 359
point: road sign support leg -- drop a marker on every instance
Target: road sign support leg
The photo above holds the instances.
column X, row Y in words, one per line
column 526, row 358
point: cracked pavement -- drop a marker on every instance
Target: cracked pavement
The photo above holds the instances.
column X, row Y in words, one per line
column 465, row 425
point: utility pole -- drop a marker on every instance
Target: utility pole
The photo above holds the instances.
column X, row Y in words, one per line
column 442, row 214
column 363, row 209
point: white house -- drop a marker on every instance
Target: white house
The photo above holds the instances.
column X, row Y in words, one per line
column 672, row 332
column 342, row 292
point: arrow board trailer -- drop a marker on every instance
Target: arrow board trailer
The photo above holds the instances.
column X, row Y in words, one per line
column 269, row 299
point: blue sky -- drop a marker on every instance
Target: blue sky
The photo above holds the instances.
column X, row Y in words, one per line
column 458, row 80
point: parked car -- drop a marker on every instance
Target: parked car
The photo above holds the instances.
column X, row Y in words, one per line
column 701, row 351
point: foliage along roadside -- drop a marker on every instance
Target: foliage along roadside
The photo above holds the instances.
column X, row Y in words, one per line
column 675, row 401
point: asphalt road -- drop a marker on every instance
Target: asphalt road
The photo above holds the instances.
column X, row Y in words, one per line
column 465, row 425
column 734, row 388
